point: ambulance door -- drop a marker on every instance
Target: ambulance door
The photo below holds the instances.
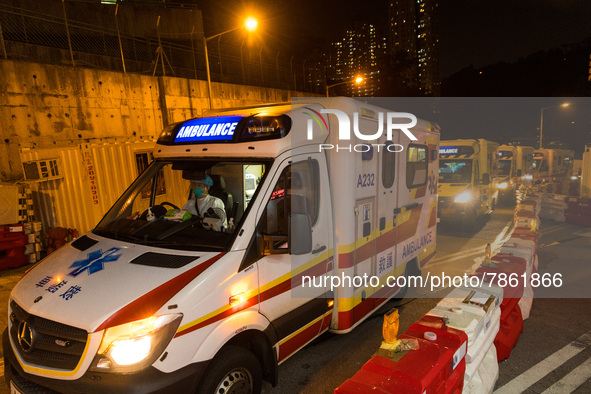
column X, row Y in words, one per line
column 387, row 210
column 365, row 254
column 291, row 275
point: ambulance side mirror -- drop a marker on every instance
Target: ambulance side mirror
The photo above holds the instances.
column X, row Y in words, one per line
column 300, row 233
column 485, row 179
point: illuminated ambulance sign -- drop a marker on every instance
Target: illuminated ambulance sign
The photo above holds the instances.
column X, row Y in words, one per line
column 448, row 150
column 207, row 129
column 455, row 150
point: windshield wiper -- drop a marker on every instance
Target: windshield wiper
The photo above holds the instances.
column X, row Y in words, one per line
column 180, row 226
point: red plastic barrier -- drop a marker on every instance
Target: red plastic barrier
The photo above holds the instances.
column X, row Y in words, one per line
column 510, row 329
column 578, row 219
column 13, row 258
column 533, row 203
column 525, row 214
column 511, row 319
column 10, row 229
column 513, row 267
column 13, row 241
column 436, row 367
column 525, row 234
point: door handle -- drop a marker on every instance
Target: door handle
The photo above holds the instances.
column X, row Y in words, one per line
column 320, row 249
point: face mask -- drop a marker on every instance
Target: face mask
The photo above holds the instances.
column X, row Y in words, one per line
column 198, row 191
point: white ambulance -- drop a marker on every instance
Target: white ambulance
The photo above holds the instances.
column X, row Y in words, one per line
column 515, row 167
column 552, row 164
column 156, row 301
column 467, row 180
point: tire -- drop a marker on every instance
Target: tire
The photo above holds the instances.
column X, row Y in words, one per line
column 234, row 370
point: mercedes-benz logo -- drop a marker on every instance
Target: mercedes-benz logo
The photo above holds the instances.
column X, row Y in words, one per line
column 25, row 336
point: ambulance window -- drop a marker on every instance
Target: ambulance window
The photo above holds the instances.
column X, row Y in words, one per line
column 416, row 166
column 298, row 190
column 388, row 166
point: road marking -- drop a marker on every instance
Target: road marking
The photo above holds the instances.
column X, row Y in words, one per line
column 561, row 241
column 495, row 245
column 480, row 250
column 573, row 380
column 458, row 253
column 552, row 229
column 544, row 367
column 500, row 238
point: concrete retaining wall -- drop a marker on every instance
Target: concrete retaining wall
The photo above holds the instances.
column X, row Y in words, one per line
column 43, row 106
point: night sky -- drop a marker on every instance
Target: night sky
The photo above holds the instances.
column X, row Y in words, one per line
column 478, row 32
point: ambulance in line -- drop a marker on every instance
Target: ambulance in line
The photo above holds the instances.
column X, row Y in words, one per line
column 467, row 180
column 515, row 168
column 552, row 164
column 155, row 301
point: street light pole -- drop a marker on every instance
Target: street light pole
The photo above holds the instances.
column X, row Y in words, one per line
column 564, row 105
column 250, row 25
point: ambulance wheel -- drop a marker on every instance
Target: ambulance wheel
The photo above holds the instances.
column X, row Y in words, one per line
column 235, row 370
column 411, row 269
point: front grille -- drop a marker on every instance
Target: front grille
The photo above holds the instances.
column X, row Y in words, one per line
column 52, row 344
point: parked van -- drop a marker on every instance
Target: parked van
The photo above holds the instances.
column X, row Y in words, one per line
column 155, row 299
column 552, row 164
column 467, row 180
column 515, row 168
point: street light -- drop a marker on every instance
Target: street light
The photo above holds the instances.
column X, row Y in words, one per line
column 564, row 105
column 250, row 24
column 357, row 80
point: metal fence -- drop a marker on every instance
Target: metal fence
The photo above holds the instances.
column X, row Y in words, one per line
column 85, row 45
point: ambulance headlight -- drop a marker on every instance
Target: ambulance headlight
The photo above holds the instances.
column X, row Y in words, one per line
column 134, row 346
column 502, row 185
column 463, row 197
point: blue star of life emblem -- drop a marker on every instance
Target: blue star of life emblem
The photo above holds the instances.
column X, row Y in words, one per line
column 94, row 262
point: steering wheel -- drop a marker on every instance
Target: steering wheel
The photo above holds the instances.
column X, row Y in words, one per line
column 169, row 204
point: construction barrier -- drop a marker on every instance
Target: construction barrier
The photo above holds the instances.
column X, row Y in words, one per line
column 578, row 211
column 436, row 366
column 462, row 340
column 476, row 312
column 553, row 207
column 526, row 250
column 12, row 243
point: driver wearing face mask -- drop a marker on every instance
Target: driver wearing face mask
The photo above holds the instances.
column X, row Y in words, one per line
column 201, row 201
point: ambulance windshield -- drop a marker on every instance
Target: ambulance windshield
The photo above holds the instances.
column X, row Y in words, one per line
column 505, row 167
column 185, row 204
column 455, row 171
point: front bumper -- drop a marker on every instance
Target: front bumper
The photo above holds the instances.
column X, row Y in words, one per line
column 149, row 380
column 454, row 211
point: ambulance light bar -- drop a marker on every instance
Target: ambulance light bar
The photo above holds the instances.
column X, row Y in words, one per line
column 265, row 127
column 226, row 129
column 456, row 150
